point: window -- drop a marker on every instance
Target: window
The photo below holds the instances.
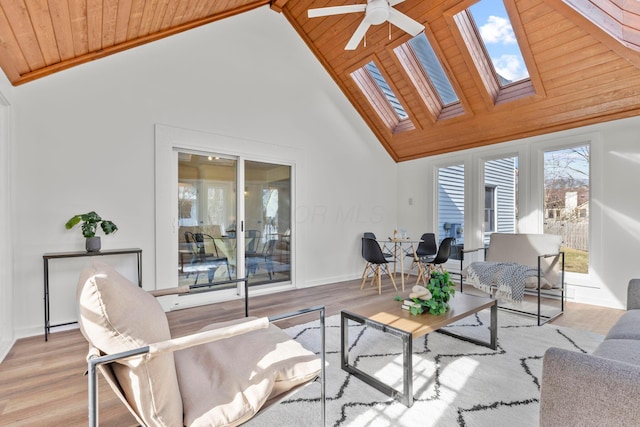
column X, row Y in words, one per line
column 382, row 84
column 428, row 76
column 489, row 209
column 496, row 33
column 493, row 48
column 501, row 201
column 566, row 203
column 451, row 205
column 382, row 98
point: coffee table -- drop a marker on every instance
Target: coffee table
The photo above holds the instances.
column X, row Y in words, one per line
column 389, row 317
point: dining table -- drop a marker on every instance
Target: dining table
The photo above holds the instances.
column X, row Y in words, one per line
column 398, row 252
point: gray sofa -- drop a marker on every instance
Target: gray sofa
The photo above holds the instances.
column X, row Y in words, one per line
column 599, row 389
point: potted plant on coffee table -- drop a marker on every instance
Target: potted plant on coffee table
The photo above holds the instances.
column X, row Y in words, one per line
column 90, row 222
column 434, row 298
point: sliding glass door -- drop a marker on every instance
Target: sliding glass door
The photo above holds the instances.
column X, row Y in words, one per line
column 206, row 219
column 267, row 206
column 216, row 224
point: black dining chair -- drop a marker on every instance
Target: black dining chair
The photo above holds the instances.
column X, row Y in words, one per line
column 376, row 263
column 424, row 253
column 444, row 251
column 385, row 251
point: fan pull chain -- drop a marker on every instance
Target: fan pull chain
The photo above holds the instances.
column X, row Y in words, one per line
column 389, row 30
column 365, row 39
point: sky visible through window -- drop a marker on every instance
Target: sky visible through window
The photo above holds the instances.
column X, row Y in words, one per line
column 499, row 39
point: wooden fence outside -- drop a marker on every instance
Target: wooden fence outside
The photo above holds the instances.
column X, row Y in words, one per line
column 575, row 235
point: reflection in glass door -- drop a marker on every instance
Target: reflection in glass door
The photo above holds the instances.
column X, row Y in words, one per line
column 207, row 219
column 212, row 231
column 267, row 206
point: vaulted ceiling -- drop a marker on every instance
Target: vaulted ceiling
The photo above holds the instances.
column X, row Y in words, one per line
column 582, row 57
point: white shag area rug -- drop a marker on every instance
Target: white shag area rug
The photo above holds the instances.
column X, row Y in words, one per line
column 456, row 383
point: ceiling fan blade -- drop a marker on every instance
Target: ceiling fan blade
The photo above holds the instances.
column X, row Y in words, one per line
column 395, row 2
column 336, row 10
column 405, row 23
column 358, row 35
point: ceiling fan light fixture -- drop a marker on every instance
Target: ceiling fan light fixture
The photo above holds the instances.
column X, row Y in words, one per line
column 377, row 12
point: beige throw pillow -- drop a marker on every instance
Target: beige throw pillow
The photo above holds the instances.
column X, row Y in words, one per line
column 116, row 315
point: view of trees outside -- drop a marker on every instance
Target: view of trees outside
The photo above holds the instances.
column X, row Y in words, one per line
column 566, row 203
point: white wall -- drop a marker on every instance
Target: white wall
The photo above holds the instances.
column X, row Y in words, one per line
column 614, row 213
column 6, row 253
column 85, row 141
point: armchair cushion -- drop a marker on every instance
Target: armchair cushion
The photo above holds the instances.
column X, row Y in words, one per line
column 246, row 371
column 116, row 315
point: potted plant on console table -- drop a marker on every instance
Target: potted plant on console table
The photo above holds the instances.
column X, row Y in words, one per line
column 89, row 227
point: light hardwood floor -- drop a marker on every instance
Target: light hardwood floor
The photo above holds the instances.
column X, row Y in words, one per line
column 42, row 383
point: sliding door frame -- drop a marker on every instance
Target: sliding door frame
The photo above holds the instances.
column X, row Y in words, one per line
column 168, row 142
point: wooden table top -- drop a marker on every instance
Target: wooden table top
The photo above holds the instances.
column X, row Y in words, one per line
column 390, row 313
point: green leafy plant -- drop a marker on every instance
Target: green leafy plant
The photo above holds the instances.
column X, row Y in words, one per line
column 441, row 288
column 90, row 222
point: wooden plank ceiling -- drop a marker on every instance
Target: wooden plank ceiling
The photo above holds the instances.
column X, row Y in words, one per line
column 583, row 69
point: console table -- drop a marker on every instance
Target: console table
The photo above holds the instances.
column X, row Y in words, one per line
column 55, row 255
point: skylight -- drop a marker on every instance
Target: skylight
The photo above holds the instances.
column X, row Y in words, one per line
column 386, row 90
column 382, row 98
column 493, row 47
column 427, row 74
column 495, row 31
column 432, row 67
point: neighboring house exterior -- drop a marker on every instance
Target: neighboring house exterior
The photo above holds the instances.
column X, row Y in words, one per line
column 568, row 204
column 500, row 200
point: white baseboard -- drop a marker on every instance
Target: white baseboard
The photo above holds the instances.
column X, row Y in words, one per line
column 329, row 280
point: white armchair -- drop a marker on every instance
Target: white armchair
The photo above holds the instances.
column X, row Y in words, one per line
column 223, row 375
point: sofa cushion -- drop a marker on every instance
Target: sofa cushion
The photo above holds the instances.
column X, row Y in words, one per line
column 116, row 315
column 622, row 350
column 627, row 327
column 243, row 372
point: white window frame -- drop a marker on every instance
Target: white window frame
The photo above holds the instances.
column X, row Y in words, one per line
column 594, row 140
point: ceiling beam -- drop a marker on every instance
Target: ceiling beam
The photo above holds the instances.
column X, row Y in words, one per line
column 278, row 5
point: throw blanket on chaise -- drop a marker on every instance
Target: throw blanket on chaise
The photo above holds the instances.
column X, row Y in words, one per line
column 508, row 278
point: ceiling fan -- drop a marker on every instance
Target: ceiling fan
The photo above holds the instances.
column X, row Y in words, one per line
column 375, row 12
